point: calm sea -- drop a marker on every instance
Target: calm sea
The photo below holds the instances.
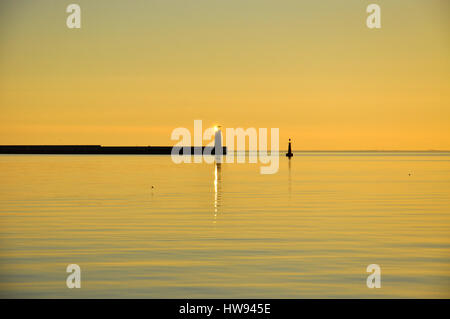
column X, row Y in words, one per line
column 208, row 231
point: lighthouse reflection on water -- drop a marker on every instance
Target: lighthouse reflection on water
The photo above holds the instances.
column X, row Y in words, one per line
column 217, row 170
column 217, row 187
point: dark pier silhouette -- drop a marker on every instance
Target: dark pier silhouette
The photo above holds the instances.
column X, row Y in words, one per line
column 289, row 154
column 105, row 150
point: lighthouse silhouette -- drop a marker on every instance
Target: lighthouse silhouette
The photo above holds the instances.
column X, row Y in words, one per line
column 289, row 154
column 218, row 150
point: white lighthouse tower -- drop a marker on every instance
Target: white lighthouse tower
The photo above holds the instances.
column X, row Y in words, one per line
column 218, row 149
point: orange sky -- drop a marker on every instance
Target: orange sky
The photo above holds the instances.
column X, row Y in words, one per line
column 136, row 70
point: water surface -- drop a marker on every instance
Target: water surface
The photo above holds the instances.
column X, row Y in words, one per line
column 208, row 231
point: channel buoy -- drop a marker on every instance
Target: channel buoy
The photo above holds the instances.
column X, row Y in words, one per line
column 289, row 154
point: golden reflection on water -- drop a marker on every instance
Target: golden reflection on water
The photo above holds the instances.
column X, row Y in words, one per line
column 308, row 231
column 217, row 187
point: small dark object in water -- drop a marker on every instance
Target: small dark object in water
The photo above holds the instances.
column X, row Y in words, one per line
column 289, row 154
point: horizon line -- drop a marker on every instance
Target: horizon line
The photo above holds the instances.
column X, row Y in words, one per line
column 298, row 150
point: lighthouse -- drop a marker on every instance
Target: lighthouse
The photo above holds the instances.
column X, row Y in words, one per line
column 218, row 150
column 289, row 154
